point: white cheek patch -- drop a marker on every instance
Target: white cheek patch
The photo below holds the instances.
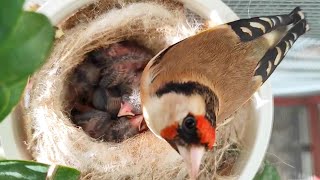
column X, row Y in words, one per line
column 162, row 112
column 176, row 105
column 196, row 105
column 153, row 115
column 181, row 105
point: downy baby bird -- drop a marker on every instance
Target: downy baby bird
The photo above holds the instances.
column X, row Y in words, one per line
column 100, row 124
column 190, row 86
column 85, row 78
column 125, row 61
column 131, row 101
column 94, row 122
column 106, row 100
column 121, row 129
column 123, row 72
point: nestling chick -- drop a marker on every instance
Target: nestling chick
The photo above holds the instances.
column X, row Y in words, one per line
column 191, row 85
column 105, row 100
column 121, row 129
column 126, row 63
column 85, row 77
column 130, row 104
column 109, row 80
column 130, row 100
column 100, row 125
column 92, row 121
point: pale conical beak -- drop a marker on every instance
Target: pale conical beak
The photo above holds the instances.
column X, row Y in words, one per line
column 125, row 110
column 192, row 156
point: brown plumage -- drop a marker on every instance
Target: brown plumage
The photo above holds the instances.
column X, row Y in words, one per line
column 205, row 78
column 239, row 68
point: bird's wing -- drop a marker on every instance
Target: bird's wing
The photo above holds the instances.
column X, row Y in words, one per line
column 274, row 55
column 268, row 31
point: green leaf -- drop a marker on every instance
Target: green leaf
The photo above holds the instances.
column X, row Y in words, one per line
column 10, row 11
column 63, row 173
column 10, row 96
column 4, row 99
column 25, row 41
column 29, row 170
column 269, row 172
column 11, row 170
column 26, row 48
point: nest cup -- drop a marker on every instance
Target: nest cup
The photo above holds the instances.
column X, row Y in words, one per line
column 49, row 136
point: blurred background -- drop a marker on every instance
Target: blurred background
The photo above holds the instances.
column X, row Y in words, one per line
column 295, row 143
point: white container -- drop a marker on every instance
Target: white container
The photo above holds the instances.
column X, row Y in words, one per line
column 257, row 135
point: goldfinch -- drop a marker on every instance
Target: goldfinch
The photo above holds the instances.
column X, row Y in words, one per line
column 204, row 79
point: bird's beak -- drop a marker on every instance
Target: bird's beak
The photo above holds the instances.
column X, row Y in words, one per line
column 125, row 110
column 138, row 122
column 192, row 156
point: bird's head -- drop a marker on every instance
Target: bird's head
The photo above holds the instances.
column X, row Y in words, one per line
column 183, row 120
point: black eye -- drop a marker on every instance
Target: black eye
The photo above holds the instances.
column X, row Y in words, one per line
column 189, row 123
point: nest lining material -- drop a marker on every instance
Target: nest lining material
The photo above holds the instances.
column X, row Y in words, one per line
column 52, row 137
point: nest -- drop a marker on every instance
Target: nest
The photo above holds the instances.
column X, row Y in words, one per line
column 53, row 138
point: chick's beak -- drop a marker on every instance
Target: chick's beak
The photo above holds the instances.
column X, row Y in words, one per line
column 125, row 110
column 192, row 156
